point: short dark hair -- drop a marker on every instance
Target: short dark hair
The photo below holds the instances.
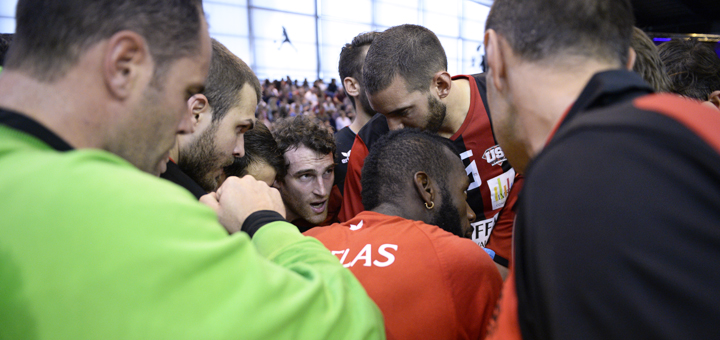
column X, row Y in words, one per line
column 5, row 41
column 648, row 63
column 51, row 35
column 410, row 51
column 396, row 157
column 543, row 29
column 693, row 68
column 260, row 146
column 227, row 76
column 352, row 58
column 292, row 132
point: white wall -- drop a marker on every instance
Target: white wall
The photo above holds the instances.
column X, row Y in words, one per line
column 317, row 29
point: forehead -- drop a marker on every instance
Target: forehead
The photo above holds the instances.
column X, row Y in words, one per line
column 262, row 171
column 303, row 158
column 244, row 104
column 396, row 96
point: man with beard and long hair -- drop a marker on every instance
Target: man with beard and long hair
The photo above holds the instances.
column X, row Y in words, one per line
column 406, row 80
column 221, row 115
column 406, row 249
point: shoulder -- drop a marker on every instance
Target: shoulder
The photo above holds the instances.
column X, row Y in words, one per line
column 116, row 193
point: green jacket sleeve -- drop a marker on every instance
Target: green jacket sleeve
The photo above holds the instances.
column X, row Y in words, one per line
column 90, row 248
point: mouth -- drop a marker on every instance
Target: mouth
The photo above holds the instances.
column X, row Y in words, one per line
column 318, row 207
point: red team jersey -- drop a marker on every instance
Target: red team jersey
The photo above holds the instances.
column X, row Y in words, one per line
column 491, row 176
column 429, row 283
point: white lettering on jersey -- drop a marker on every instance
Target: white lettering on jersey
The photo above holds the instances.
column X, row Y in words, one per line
column 389, row 256
column 483, row 229
column 472, row 169
column 344, row 252
column 500, row 188
column 366, row 255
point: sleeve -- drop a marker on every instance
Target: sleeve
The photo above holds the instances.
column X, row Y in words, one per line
column 501, row 237
column 352, row 201
column 147, row 261
column 476, row 285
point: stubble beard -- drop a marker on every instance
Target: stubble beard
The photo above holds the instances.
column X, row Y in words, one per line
column 201, row 159
column 447, row 217
column 437, row 111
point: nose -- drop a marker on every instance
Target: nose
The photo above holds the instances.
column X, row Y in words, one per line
column 320, row 188
column 186, row 124
column 394, row 124
column 239, row 150
column 470, row 213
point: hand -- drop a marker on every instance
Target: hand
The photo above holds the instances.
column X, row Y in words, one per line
column 237, row 198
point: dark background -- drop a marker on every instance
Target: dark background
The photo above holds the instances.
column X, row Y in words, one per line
column 678, row 16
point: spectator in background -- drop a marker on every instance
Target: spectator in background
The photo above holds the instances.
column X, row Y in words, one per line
column 308, row 149
column 263, row 160
column 647, row 61
column 220, row 117
column 5, row 41
column 342, row 121
column 406, row 248
column 693, row 68
column 332, row 88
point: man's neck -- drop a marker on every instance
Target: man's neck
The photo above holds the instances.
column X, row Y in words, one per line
column 544, row 93
column 361, row 118
column 40, row 101
column 415, row 211
column 457, row 106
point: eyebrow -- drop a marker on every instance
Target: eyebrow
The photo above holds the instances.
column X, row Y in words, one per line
column 304, row 171
column 398, row 111
column 249, row 121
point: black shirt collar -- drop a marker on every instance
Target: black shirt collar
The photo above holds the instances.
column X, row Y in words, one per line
column 26, row 124
column 609, row 87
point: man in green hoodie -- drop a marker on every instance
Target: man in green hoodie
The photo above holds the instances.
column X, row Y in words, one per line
column 93, row 248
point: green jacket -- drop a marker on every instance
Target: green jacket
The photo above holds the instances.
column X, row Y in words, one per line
column 92, row 248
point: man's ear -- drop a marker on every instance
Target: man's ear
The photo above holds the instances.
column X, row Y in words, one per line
column 199, row 109
column 127, row 60
column 424, row 187
column 351, row 86
column 632, row 58
column 714, row 98
column 495, row 59
column 442, row 82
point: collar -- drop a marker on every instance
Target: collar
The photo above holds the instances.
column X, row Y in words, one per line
column 603, row 89
column 28, row 125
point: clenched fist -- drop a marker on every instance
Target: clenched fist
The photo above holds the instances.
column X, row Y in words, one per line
column 237, row 198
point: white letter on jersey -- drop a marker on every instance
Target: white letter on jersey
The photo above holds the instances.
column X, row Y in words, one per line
column 383, row 252
column 472, row 169
column 365, row 254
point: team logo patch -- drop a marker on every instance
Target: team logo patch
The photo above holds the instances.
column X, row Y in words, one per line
column 494, row 155
column 500, row 188
column 346, row 155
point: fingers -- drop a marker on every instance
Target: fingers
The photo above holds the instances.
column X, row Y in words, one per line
column 211, row 201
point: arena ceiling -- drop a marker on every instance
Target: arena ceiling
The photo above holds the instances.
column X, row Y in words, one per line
column 678, row 16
